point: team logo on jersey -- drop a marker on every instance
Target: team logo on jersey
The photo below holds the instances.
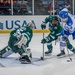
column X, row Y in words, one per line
column 55, row 27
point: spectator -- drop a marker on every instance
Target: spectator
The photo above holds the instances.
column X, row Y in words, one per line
column 1, row 8
column 23, row 10
column 28, row 8
column 49, row 8
column 16, row 7
column 66, row 4
column 7, row 6
column 39, row 8
column 56, row 7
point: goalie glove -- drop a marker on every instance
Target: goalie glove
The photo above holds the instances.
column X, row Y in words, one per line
column 43, row 25
column 21, row 41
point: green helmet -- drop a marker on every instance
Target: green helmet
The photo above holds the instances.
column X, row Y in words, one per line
column 55, row 18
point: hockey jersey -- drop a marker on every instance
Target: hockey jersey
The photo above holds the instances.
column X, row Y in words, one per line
column 69, row 25
column 15, row 36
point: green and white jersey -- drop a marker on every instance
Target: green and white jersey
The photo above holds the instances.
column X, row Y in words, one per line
column 15, row 34
column 55, row 32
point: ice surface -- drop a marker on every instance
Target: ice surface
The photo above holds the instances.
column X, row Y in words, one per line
column 50, row 66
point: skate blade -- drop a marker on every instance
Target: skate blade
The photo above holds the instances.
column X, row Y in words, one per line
column 61, row 56
column 48, row 54
column 25, row 62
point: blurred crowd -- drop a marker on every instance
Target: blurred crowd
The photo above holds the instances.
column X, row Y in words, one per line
column 41, row 7
column 19, row 8
column 58, row 6
column 46, row 7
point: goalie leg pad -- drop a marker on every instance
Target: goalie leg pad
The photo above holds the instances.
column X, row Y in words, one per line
column 6, row 52
column 26, row 57
column 28, row 53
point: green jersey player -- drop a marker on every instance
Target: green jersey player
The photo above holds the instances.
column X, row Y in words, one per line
column 55, row 31
column 19, row 42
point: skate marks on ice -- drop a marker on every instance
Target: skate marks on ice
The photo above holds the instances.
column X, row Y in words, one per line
column 13, row 61
column 60, row 67
column 1, row 65
column 71, row 55
column 36, row 60
column 9, row 62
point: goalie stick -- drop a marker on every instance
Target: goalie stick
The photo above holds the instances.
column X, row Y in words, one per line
column 2, row 65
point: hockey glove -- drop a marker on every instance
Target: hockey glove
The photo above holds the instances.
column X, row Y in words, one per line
column 66, row 39
column 43, row 41
column 43, row 26
column 21, row 41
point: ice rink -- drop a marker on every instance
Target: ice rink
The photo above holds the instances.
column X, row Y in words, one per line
column 50, row 66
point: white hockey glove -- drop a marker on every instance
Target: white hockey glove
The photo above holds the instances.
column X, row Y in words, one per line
column 22, row 41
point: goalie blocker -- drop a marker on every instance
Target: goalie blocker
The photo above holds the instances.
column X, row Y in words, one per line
column 19, row 42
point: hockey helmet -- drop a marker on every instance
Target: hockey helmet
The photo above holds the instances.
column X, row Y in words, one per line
column 55, row 18
column 31, row 24
column 63, row 14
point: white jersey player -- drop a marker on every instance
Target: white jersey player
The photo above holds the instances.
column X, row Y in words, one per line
column 68, row 24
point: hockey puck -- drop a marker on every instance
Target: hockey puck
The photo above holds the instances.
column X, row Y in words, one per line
column 69, row 60
column 42, row 58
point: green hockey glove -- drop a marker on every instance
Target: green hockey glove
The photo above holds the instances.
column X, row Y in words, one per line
column 43, row 41
column 43, row 26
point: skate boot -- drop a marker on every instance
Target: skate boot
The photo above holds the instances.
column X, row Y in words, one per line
column 62, row 54
column 26, row 57
column 25, row 60
column 48, row 53
column 50, row 49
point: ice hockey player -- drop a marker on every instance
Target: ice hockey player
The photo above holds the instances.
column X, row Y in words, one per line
column 69, row 29
column 55, row 31
column 19, row 42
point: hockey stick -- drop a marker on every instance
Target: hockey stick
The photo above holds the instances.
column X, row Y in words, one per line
column 70, row 59
column 2, row 65
column 55, row 42
column 42, row 58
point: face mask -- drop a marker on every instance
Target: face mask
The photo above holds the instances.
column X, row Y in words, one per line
column 65, row 19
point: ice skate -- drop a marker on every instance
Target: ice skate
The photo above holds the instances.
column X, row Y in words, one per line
column 62, row 54
column 25, row 60
column 48, row 53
